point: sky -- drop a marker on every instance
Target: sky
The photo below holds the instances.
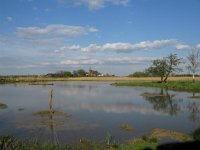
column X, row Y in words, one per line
column 112, row 36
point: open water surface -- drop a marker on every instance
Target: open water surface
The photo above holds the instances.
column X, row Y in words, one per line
column 97, row 110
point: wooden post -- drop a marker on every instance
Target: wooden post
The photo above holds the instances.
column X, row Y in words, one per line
column 50, row 100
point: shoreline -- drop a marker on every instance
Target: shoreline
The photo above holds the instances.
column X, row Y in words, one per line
column 174, row 83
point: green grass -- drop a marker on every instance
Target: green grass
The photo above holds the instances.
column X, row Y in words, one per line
column 196, row 134
column 139, row 146
column 8, row 142
column 173, row 85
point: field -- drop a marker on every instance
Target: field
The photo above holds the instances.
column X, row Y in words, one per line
column 46, row 79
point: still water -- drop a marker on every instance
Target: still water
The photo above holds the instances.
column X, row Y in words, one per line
column 97, row 109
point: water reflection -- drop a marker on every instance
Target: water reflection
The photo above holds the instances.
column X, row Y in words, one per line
column 51, row 122
column 97, row 108
column 3, row 106
column 163, row 101
column 194, row 111
column 194, row 96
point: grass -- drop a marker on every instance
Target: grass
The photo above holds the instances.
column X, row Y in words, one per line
column 149, row 141
column 165, row 133
column 142, row 143
column 173, row 85
column 126, row 127
column 8, row 142
column 48, row 113
column 196, row 134
column 30, row 79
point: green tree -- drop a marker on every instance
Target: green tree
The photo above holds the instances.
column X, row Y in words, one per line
column 138, row 74
column 67, row 74
column 79, row 73
column 164, row 67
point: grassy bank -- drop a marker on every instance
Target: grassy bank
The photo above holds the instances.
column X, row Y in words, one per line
column 148, row 141
column 172, row 85
column 7, row 142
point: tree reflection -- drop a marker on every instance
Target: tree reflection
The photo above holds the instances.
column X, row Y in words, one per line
column 194, row 111
column 163, row 101
column 194, row 96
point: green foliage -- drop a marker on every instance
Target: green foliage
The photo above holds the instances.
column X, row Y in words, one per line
column 164, row 67
column 60, row 74
column 138, row 74
column 196, row 134
column 139, row 146
column 79, row 73
column 150, row 139
column 75, row 73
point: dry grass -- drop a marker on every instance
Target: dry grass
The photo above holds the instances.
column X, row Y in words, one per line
column 162, row 133
column 46, row 79
column 126, row 127
column 48, row 113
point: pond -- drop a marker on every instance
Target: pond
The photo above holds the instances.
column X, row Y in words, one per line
column 93, row 110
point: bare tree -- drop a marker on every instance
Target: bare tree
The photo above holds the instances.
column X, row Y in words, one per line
column 193, row 62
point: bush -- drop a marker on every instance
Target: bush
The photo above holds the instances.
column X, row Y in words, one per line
column 196, row 134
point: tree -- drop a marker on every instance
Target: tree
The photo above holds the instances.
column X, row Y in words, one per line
column 193, row 62
column 138, row 74
column 164, row 67
column 79, row 73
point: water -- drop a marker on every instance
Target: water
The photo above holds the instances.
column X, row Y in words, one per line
column 97, row 108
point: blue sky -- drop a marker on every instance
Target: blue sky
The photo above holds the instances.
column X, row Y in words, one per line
column 111, row 36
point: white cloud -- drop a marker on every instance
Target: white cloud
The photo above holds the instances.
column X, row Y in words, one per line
column 96, row 4
column 85, row 61
column 9, row 19
column 129, row 60
column 100, row 61
column 182, row 46
column 198, row 46
column 120, row 47
column 114, row 108
column 93, row 29
column 128, row 47
column 68, row 48
column 54, row 29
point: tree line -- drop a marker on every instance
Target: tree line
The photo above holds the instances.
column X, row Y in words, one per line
column 77, row 73
column 166, row 66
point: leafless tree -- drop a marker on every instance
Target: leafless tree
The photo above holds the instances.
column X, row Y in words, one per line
column 193, row 62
